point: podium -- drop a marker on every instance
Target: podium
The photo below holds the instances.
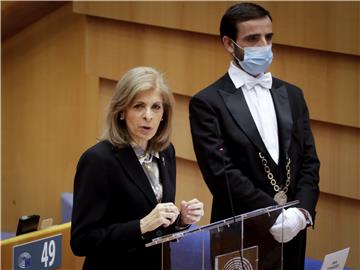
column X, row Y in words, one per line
column 242, row 242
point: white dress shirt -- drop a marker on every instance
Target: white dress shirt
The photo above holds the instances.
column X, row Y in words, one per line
column 261, row 106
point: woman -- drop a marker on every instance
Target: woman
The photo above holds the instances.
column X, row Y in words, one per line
column 125, row 185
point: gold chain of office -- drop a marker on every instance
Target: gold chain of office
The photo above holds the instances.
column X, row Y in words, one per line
column 280, row 195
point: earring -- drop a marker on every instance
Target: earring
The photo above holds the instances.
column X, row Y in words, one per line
column 122, row 116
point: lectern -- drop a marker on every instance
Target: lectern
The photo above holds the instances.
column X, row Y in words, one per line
column 242, row 242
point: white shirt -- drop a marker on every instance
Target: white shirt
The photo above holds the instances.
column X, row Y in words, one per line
column 261, row 107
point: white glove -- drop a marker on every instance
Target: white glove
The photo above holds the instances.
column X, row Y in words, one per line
column 288, row 225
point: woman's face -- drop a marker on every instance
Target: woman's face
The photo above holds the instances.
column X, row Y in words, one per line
column 143, row 116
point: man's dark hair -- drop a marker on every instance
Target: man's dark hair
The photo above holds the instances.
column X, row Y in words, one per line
column 240, row 13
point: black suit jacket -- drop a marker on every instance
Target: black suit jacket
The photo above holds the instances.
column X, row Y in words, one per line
column 220, row 117
column 111, row 195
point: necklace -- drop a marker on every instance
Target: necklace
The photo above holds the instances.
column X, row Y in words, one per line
column 280, row 195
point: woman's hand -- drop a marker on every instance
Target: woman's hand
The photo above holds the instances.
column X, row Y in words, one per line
column 191, row 211
column 164, row 214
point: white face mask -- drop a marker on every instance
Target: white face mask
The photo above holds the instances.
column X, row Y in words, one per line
column 256, row 59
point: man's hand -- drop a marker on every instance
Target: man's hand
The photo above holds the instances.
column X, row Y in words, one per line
column 288, row 225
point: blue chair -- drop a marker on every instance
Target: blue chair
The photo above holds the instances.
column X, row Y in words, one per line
column 6, row 235
column 66, row 206
column 312, row 264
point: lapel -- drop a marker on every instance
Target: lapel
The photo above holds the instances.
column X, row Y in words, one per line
column 236, row 104
column 283, row 115
column 131, row 165
column 238, row 108
column 165, row 178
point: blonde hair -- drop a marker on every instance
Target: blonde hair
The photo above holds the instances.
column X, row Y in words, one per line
column 133, row 82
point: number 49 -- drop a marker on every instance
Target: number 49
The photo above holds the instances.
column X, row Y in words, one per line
column 48, row 251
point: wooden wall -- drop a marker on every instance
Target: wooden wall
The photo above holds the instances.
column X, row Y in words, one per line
column 58, row 75
column 49, row 105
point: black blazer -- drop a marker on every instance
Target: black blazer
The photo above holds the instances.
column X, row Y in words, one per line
column 220, row 117
column 111, row 195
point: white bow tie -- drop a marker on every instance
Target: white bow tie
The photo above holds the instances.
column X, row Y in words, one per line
column 264, row 80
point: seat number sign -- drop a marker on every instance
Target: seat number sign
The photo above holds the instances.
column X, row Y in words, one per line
column 42, row 254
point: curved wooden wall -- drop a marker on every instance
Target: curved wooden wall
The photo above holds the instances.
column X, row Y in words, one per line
column 49, row 105
column 330, row 26
column 63, row 81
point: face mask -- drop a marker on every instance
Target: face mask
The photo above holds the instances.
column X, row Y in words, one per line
column 256, row 59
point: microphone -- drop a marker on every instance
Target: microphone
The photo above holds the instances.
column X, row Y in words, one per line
column 221, row 150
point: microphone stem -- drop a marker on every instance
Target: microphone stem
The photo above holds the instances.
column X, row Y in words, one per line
column 227, row 184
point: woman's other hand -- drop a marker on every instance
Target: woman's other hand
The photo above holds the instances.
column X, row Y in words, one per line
column 191, row 211
column 164, row 214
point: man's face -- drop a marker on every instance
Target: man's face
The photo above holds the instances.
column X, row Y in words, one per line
column 255, row 33
column 252, row 33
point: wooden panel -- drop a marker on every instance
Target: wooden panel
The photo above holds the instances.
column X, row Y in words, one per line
column 329, row 26
column 337, row 227
column 339, row 152
column 203, row 17
column 69, row 261
column 331, row 82
column 107, row 88
column 50, row 108
column 190, row 184
column 181, row 129
column 16, row 15
column 190, row 61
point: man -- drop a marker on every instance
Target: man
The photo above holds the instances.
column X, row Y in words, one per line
column 251, row 131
